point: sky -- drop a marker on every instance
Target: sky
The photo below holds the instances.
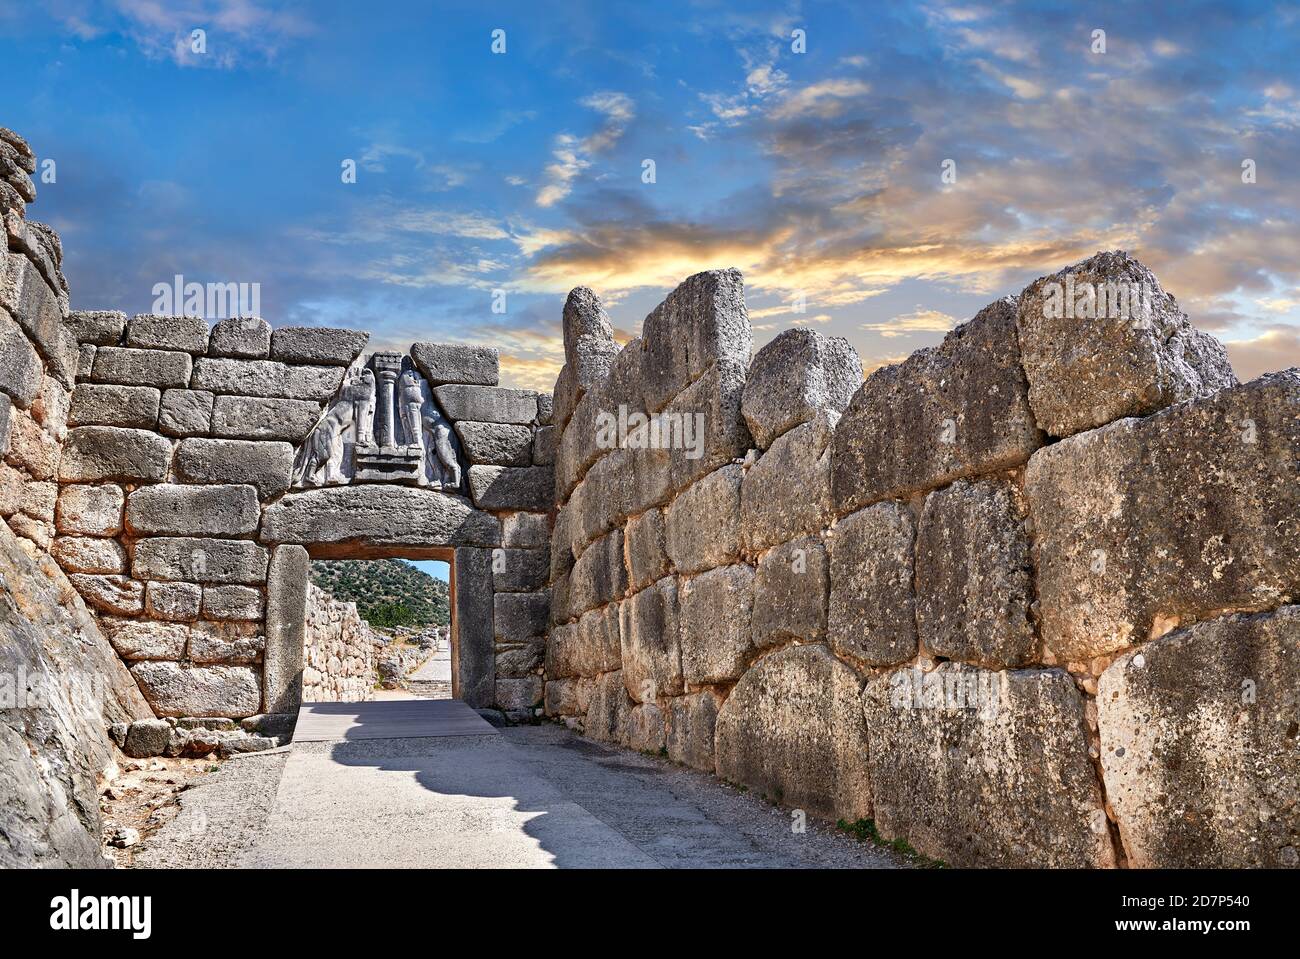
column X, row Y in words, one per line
column 803, row 143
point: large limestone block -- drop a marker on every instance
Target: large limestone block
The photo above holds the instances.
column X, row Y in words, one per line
column 701, row 323
column 32, row 448
column 97, row 327
column 232, row 603
column 645, row 546
column 132, row 367
column 475, row 666
column 608, row 709
column 186, row 334
column 518, row 693
column 6, row 422
column 487, row 404
column 241, row 337
column 703, row 523
column 265, row 378
column 984, row 768
column 496, row 444
column 139, row 639
column 174, row 602
column 120, row 595
column 545, row 441
column 526, row 530
column 94, row 453
column 568, row 697
column 96, row 404
column 1143, row 524
column 520, row 570
column 974, row 576
column 288, row 577
column 1102, row 340
column 871, row 618
column 263, row 418
column 512, row 487
column 170, row 510
column 90, row 510
column 520, row 617
column 21, row 368
column 787, row 492
column 792, row 731
column 27, row 296
column 177, row 689
column 266, row 465
column 702, row 428
column 958, row 409
column 566, row 655
column 185, row 412
column 794, row 378
column 791, row 589
column 457, row 363
column 600, row 640
column 211, row 646
column 199, row 560
column 589, row 346
column 378, row 515
column 565, row 397
column 1198, row 744
column 89, row 554
column 598, row 576
column 691, row 725
column 317, row 345
column 716, row 609
column 650, row 640
column 646, row 729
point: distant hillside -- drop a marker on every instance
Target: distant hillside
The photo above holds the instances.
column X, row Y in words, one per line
column 388, row 592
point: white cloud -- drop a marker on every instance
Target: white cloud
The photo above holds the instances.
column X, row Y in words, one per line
column 571, row 155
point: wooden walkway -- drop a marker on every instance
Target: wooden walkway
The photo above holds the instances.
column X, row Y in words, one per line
column 390, row 719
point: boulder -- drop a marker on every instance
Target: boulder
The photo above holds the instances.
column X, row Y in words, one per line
column 21, row 368
column 185, row 334
column 795, row 377
column 1101, row 340
column 976, row 767
column 132, row 367
column 1144, row 524
column 689, row 736
column 456, row 363
column 510, row 487
column 645, row 728
column 607, row 709
column 97, row 327
column 792, row 731
column 589, row 345
column 241, row 337
column 599, row 575
column 496, row 444
column 526, row 530
column 172, row 510
column 871, row 618
column 791, row 587
column 1198, row 744
column 715, row 611
column 266, row 465
column 89, row 554
column 199, row 560
column 974, row 576
column 120, row 595
column 96, row 404
column 958, row 409
column 317, row 345
column 520, row 570
column 94, row 453
column 650, row 644
column 520, row 693
column 146, row 738
column 703, row 523
column 545, row 441
column 176, row 689
column 702, row 428
column 787, row 492
column 30, row 301
column 646, row 549
column 140, row 639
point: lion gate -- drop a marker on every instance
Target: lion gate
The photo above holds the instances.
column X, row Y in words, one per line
column 204, row 468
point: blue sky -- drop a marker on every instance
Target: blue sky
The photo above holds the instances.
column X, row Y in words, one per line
column 817, row 173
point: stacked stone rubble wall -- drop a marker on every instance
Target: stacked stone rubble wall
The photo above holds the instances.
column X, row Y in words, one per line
column 926, row 598
column 339, row 663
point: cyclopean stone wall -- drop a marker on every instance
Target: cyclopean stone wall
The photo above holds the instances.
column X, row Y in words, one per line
column 61, row 684
column 1024, row 598
column 182, row 522
column 338, row 651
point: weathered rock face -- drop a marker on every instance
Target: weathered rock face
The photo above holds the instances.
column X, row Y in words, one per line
column 1213, row 525
column 788, row 491
column 790, row 593
column 792, row 730
column 456, row 363
column 177, row 689
column 703, row 523
column 974, row 576
column 991, row 768
column 959, row 409
column 715, row 615
column 1101, row 340
column 53, row 746
column 871, row 618
column 1198, row 744
column 796, row 376
column 651, row 644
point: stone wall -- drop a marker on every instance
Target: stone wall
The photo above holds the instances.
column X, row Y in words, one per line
column 1021, row 599
column 61, row 684
column 179, row 520
column 339, row 652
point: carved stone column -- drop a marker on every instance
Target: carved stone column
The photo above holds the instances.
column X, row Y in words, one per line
column 387, row 368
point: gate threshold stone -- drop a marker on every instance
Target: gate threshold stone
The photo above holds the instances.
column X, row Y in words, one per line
column 388, row 719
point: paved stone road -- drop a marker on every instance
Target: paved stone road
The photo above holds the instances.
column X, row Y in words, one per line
column 522, row 797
